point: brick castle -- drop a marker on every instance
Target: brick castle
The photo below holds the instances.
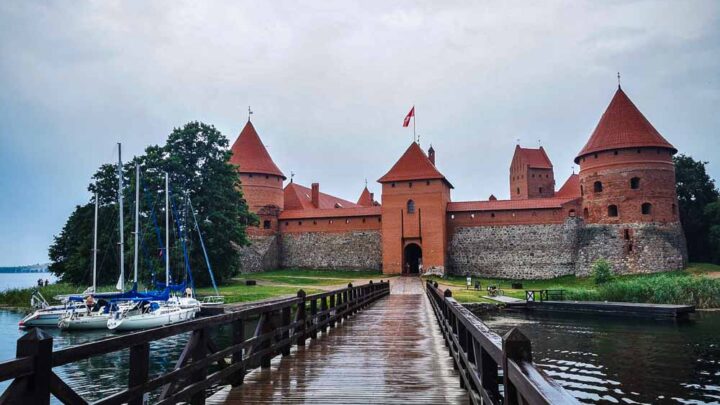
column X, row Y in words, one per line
column 622, row 207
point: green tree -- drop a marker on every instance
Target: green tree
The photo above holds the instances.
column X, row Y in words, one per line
column 602, row 271
column 695, row 191
column 712, row 218
column 196, row 158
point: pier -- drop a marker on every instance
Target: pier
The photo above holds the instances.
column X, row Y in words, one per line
column 403, row 343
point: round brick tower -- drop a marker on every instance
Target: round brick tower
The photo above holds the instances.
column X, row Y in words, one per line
column 626, row 169
column 261, row 180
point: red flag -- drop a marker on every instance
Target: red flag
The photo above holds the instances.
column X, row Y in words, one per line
column 411, row 114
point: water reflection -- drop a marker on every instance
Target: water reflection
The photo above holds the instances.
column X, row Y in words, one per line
column 622, row 360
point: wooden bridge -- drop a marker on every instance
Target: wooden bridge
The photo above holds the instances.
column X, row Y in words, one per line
column 359, row 344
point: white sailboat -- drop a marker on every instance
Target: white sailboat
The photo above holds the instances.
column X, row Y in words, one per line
column 45, row 315
column 147, row 314
column 97, row 315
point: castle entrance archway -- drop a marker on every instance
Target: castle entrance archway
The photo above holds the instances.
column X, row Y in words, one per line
column 412, row 259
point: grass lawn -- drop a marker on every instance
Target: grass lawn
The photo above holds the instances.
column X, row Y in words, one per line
column 277, row 283
column 577, row 286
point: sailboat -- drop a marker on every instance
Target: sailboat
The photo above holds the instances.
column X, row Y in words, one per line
column 163, row 310
column 45, row 315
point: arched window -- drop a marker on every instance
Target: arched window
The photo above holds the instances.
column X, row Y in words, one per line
column 582, row 190
column 266, row 224
column 597, row 187
column 540, row 190
column 635, row 183
column 646, row 208
column 612, row 210
column 518, row 190
column 410, row 206
column 586, row 213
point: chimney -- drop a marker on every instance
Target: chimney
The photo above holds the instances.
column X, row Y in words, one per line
column 372, row 197
column 431, row 155
column 315, row 195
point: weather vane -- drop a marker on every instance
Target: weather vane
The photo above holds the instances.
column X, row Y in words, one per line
column 292, row 176
column 365, row 182
column 249, row 113
column 618, row 80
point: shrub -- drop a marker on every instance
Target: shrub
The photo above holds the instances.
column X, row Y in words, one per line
column 602, row 271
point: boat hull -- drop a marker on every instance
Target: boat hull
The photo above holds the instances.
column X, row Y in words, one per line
column 151, row 320
column 42, row 318
column 84, row 322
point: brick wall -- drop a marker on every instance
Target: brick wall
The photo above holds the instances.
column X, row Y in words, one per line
column 353, row 250
column 514, row 251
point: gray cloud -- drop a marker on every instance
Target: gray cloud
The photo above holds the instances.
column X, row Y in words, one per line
column 330, row 84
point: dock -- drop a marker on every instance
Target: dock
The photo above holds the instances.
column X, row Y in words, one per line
column 614, row 308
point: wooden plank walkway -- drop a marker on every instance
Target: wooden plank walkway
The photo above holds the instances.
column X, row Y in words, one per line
column 391, row 352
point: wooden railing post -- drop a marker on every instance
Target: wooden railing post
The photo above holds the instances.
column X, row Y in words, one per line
column 346, row 300
column 139, row 368
column 35, row 388
column 332, row 306
column 313, row 317
column 351, row 295
column 199, row 352
column 516, row 347
column 286, row 314
column 238, row 336
column 324, row 316
column 302, row 318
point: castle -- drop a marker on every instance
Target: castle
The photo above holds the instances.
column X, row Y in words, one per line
column 622, row 207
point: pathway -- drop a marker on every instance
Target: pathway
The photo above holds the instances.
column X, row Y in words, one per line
column 390, row 352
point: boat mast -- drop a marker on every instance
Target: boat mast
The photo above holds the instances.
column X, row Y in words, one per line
column 137, row 220
column 167, row 231
column 95, row 227
column 121, row 282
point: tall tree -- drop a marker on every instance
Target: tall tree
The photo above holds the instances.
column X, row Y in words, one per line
column 196, row 158
column 695, row 191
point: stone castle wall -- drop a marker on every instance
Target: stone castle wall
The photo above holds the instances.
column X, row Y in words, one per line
column 514, row 251
column 262, row 254
column 353, row 250
column 632, row 248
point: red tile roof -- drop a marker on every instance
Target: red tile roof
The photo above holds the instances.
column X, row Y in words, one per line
column 534, row 158
column 249, row 153
column 299, row 197
column 571, row 188
column 413, row 165
column 623, row 126
column 331, row 213
column 365, row 199
column 500, row 205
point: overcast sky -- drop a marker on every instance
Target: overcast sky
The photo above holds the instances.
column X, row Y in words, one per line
column 330, row 83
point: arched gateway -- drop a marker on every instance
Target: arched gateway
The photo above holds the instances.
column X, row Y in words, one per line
column 412, row 259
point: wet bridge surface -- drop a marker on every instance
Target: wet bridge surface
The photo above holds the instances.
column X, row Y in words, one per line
column 390, row 352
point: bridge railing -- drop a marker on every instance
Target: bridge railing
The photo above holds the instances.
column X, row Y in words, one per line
column 493, row 369
column 280, row 324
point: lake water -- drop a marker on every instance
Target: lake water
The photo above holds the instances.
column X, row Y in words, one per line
column 23, row 280
column 103, row 375
column 606, row 360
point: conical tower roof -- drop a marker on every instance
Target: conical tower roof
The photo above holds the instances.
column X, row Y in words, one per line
column 249, row 153
column 413, row 165
column 623, row 126
column 365, row 199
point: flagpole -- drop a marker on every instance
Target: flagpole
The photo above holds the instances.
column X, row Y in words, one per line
column 414, row 114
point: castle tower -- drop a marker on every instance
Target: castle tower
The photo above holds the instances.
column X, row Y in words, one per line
column 261, row 180
column 531, row 174
column 626, row 169
column 414, row 201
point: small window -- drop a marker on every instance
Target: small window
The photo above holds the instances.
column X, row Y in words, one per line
column 615, row 153
column 596, row 155
column 266, row 224
column 410, row 184
column 347, row 221
column 492, row 215
column 427, row 183
column 597, row 186
column 363, row 220
column 392, row 185
column 380, row 219
column 299, row 222
column 518, row 190
column 635, row 183
column 638, row 151
column 646, row 208
column 626, row 234
column 540, row 190
column 410, row 206
column 582, row 190
column 267, row 177
column 586, row 213
column 571, row 213
column 314, row 222
column 250, row 174
column 287, row 223
column 533, row 176
column 547, row 176
column 612, row 210
column 330, row 221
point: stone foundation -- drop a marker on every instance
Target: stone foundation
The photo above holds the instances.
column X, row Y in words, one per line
column 632, row 248
column 514, row 251
column 354, row 250
column 263, row 254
